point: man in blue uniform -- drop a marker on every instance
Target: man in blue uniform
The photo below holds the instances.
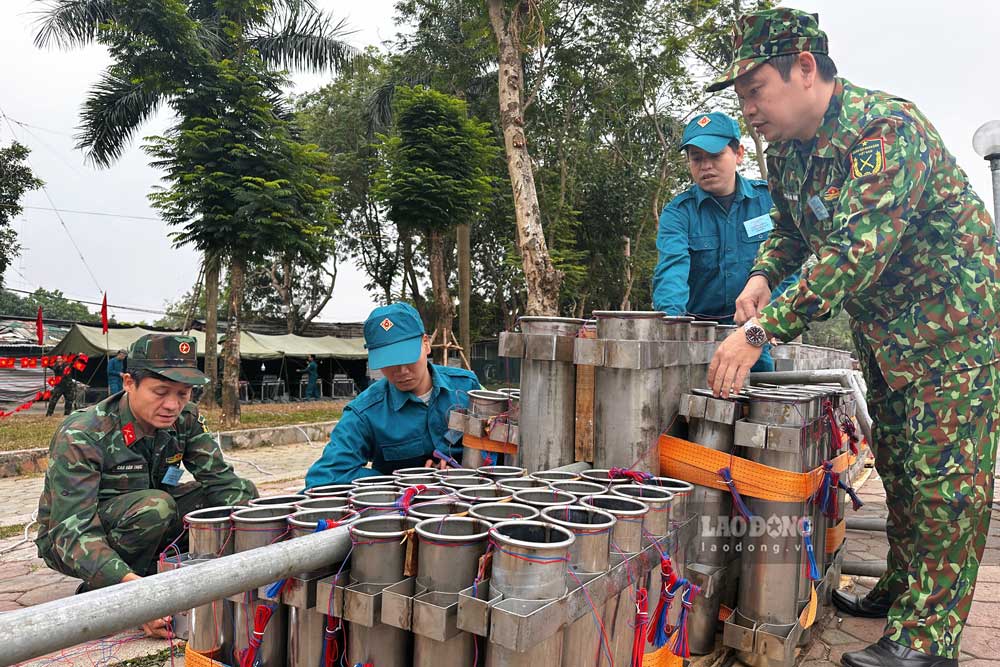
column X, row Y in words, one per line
column 116, row 371
column 312, row 379
column 400, row 420
column 709, row 233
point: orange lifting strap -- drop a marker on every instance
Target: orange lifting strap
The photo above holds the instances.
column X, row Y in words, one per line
column 487, row 445
column 691, row 462
column 835, row 536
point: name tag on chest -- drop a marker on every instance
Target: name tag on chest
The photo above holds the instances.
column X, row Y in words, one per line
column 759, row 225
column 172, row 476
column 818, row 208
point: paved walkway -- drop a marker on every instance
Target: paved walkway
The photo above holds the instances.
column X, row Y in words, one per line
column 25, row 581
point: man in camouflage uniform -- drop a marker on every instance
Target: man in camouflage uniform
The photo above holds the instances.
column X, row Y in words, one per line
column 64, row 387
column 862, row 180
column 112, row 500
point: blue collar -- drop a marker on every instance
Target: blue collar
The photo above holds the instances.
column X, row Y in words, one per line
column 744, row 190
column 439, row 382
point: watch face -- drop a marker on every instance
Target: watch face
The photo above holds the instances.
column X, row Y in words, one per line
column 756, row 336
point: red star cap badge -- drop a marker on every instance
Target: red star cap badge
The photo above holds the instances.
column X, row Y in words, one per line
column 184, row 348
column 704, row 120
column 386, row 324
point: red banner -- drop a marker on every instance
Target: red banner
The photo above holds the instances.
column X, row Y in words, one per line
column 77, row 361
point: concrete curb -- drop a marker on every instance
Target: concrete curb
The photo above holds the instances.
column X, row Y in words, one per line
column 35, row 461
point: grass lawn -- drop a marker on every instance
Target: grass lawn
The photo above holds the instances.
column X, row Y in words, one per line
column 28, row 431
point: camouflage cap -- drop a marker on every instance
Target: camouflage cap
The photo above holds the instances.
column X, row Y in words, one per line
column 760, row 36
column 174, row 357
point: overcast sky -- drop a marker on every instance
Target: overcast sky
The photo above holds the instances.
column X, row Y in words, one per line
column 934, row 53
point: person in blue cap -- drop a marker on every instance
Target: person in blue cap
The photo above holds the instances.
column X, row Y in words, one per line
column 709, row 234
column 401, row 419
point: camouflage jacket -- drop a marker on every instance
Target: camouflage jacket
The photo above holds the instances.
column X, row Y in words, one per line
column 98, row 454
column 903, row 243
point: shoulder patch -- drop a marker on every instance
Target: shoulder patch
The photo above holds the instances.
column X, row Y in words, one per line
column 868, row 157
column 201, row 419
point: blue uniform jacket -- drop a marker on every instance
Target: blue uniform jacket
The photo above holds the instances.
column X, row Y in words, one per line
column 705, row 254
column 393, row 429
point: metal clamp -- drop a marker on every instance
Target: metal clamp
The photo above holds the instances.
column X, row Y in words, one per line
column 330, row 593
column 776, row 643
column 768, row 436
column 474, row 605
column 549, row 347
column 511, row 344
column 397, row 604
column 710, row 409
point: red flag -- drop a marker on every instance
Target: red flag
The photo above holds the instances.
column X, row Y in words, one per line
column 40, row 328
column 104, row 314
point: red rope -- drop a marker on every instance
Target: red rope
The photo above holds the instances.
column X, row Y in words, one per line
column 641, row 623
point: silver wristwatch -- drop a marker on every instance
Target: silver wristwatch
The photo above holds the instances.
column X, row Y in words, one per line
column 755, row 333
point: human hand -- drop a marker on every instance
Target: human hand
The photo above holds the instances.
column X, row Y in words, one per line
column 755, row 295
column 731, row 364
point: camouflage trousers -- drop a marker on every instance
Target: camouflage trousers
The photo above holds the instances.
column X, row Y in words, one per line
column 936, row 448
column 141, row 524
column 67, row 390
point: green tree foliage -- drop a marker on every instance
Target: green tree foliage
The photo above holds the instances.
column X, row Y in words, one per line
column 16, row 179
column 241, row 185
column 433, row 175
column 54, row 306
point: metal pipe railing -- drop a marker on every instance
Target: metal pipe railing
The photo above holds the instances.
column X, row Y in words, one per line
column 845, row 377
column 53, row 626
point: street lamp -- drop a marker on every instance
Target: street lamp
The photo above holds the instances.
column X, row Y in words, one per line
column 986, row 142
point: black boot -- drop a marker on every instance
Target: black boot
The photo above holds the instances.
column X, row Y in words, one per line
column 869, row 606
column 887, row 653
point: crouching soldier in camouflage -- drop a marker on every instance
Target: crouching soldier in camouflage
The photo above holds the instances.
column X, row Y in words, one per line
column 112, row 499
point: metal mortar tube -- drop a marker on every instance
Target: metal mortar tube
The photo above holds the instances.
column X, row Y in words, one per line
column 626, row 539
column 379, row 557
column 499, row 473
column 467, row 481
column 306, row 626
column 542, row 498
column 547, row 424
column 416, row 480
column 374, row 480
column 483, row 403
column 484, row 494
column 455, row 472
column 581, row 489
column 433, row 494
column 323, row 503
column 542, row 577
column 656, row 527
column 252, row 528
column 438, row 509
column 589, row 555
column 522, row 483
column 602, row 476
column 554, row 476
column 771, row 578
column 498, row 512
column 714, row 549
column 358, row 490
column 210, row 532
column 411, row 472
column 450, row 550
column 676, row 378
column 376, row 503
column 335, row 490
column 627, row 400
column 286, row 500
column 700, row 331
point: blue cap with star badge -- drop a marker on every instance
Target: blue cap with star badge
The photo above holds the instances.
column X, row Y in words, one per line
column 711, row 132
column 394, row 335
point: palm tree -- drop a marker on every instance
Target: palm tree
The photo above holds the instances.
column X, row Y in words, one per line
column 197, row 57
column 188, row 35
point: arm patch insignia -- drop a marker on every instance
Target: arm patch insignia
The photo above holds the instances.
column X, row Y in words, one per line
column 868, row 157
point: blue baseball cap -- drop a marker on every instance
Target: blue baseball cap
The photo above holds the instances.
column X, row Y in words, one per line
column 711, row 132
column 394, row 335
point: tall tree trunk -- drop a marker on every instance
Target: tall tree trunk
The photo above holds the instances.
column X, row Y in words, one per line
column 444, row 309
column 541, row 277
column 231, row 349
column 211, row 329
column 465, row 289
column 758, row 146
column 286, row 294
column 627, row 296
